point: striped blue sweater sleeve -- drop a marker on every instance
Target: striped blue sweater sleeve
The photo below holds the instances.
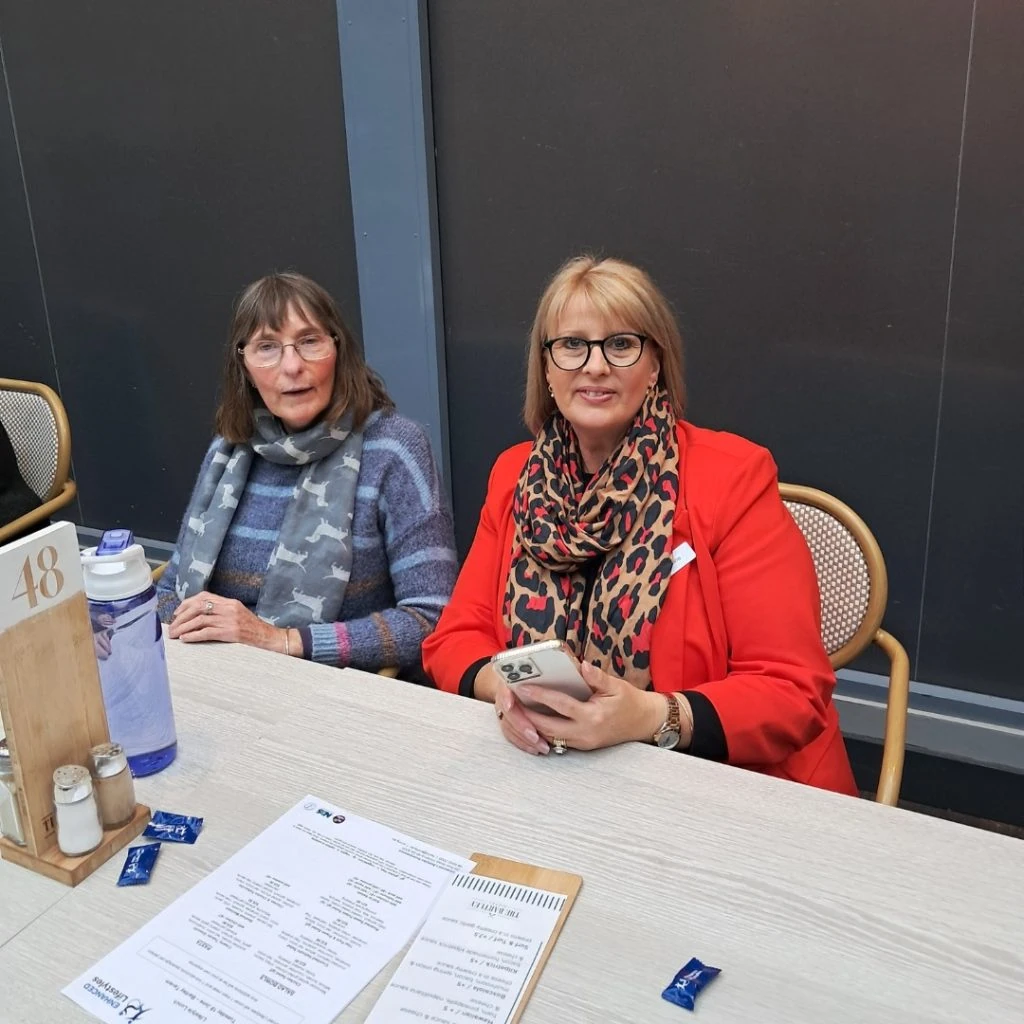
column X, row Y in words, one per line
column 418, row 555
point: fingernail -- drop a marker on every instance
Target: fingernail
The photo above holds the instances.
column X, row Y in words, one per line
column 544, row 748
column 532, row 736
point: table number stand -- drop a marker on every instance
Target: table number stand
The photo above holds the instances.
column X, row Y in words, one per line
column 51, row 702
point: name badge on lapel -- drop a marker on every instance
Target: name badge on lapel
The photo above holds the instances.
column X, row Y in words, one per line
column 682, row 556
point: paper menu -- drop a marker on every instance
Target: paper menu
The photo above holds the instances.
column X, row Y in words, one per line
column 475, row 955
column 287, row 931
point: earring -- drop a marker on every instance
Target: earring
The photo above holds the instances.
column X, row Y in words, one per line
column 551, row 391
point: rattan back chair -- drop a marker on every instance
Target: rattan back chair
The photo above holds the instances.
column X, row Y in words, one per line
column 854, row 588
column 37, row 424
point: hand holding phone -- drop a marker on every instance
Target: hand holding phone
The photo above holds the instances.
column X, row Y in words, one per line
column 548, row 663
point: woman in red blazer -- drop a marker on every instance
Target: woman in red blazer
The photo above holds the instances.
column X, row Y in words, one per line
column 660, row 553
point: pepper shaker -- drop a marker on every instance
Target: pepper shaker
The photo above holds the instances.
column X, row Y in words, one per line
column 78, row 818
column 115, row 788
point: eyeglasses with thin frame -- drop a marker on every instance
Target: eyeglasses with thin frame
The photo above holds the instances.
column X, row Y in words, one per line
column 621, row 349
column 264, row 352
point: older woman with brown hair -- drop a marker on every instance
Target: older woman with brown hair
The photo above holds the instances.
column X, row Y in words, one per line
column 658, row 551
column 317, row 527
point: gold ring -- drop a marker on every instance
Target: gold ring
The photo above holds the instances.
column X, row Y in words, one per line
column 208, row 607
column 501, row 714
column 559, row 746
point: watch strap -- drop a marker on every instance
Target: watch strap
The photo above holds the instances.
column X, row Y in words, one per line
column 672, row 721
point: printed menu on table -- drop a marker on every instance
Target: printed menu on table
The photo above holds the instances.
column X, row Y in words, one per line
column 287, row 931
column 475, row 955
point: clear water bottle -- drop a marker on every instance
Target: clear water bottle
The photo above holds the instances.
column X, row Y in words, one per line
column 129, row 645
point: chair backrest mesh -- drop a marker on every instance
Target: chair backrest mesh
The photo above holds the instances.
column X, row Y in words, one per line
column 844, row 581
column 29, row 422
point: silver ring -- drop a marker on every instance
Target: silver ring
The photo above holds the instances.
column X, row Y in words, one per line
column 208, row 607
column 559, row 746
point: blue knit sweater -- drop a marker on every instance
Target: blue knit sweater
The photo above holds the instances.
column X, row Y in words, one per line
column 403, row 559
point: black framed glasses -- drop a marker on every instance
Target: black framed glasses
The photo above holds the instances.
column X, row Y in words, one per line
column 265, row 352
column 621, row 350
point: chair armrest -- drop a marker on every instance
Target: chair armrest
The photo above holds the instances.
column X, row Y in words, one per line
column 38, row 515
column 895, row 741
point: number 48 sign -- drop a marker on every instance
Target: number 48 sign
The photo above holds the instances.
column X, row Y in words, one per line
column 50, row 580
column 38, row 572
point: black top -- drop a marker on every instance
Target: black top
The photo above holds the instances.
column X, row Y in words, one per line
column 16, row 497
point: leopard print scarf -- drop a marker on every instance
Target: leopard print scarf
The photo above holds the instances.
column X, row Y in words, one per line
column 622, row 518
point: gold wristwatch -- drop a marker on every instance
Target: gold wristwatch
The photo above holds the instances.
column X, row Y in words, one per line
column 668, row 735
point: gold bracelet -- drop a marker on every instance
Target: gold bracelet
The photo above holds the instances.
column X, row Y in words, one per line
column 287, row 644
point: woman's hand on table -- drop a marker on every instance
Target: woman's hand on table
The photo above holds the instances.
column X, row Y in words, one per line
column 228, row 621
column 617, row 712
column 512, row 717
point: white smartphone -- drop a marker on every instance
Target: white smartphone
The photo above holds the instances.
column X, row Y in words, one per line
column 548, row 663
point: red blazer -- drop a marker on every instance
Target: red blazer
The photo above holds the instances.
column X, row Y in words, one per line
column 740, row 623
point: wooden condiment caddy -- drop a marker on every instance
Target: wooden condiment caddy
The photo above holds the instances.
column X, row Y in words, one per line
column 51, row 702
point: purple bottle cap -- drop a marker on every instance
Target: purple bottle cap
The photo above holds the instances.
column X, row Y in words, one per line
column 113, row 542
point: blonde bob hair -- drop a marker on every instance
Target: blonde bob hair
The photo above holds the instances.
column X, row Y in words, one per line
column 621, row 293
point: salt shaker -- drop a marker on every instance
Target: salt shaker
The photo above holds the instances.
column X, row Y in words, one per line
column 10, row 816
column 78, row 818
column 115, row 789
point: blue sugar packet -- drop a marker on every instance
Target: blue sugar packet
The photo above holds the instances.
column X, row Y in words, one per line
column 688, row 982
column 138, row 865
column 174, row 828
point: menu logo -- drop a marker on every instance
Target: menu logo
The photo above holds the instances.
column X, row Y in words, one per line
column 132, row 1010
column 494, row 910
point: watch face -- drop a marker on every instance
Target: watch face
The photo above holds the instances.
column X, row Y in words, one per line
column 669, row 738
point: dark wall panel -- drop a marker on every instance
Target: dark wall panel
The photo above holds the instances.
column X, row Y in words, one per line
column 787, row 172
column 974, row 601
column 24, row 343
column 173, row 153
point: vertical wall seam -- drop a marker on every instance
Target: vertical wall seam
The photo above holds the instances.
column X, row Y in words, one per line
column 915, row 666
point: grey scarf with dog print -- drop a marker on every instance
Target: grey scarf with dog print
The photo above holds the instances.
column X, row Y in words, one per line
column 312, row 559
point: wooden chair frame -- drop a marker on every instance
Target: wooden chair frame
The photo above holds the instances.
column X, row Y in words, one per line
column 62, row 491
column 870, row 631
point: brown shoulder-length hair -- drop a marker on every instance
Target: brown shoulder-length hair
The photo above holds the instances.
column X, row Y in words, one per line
column 265, row 304
column 621, row 292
